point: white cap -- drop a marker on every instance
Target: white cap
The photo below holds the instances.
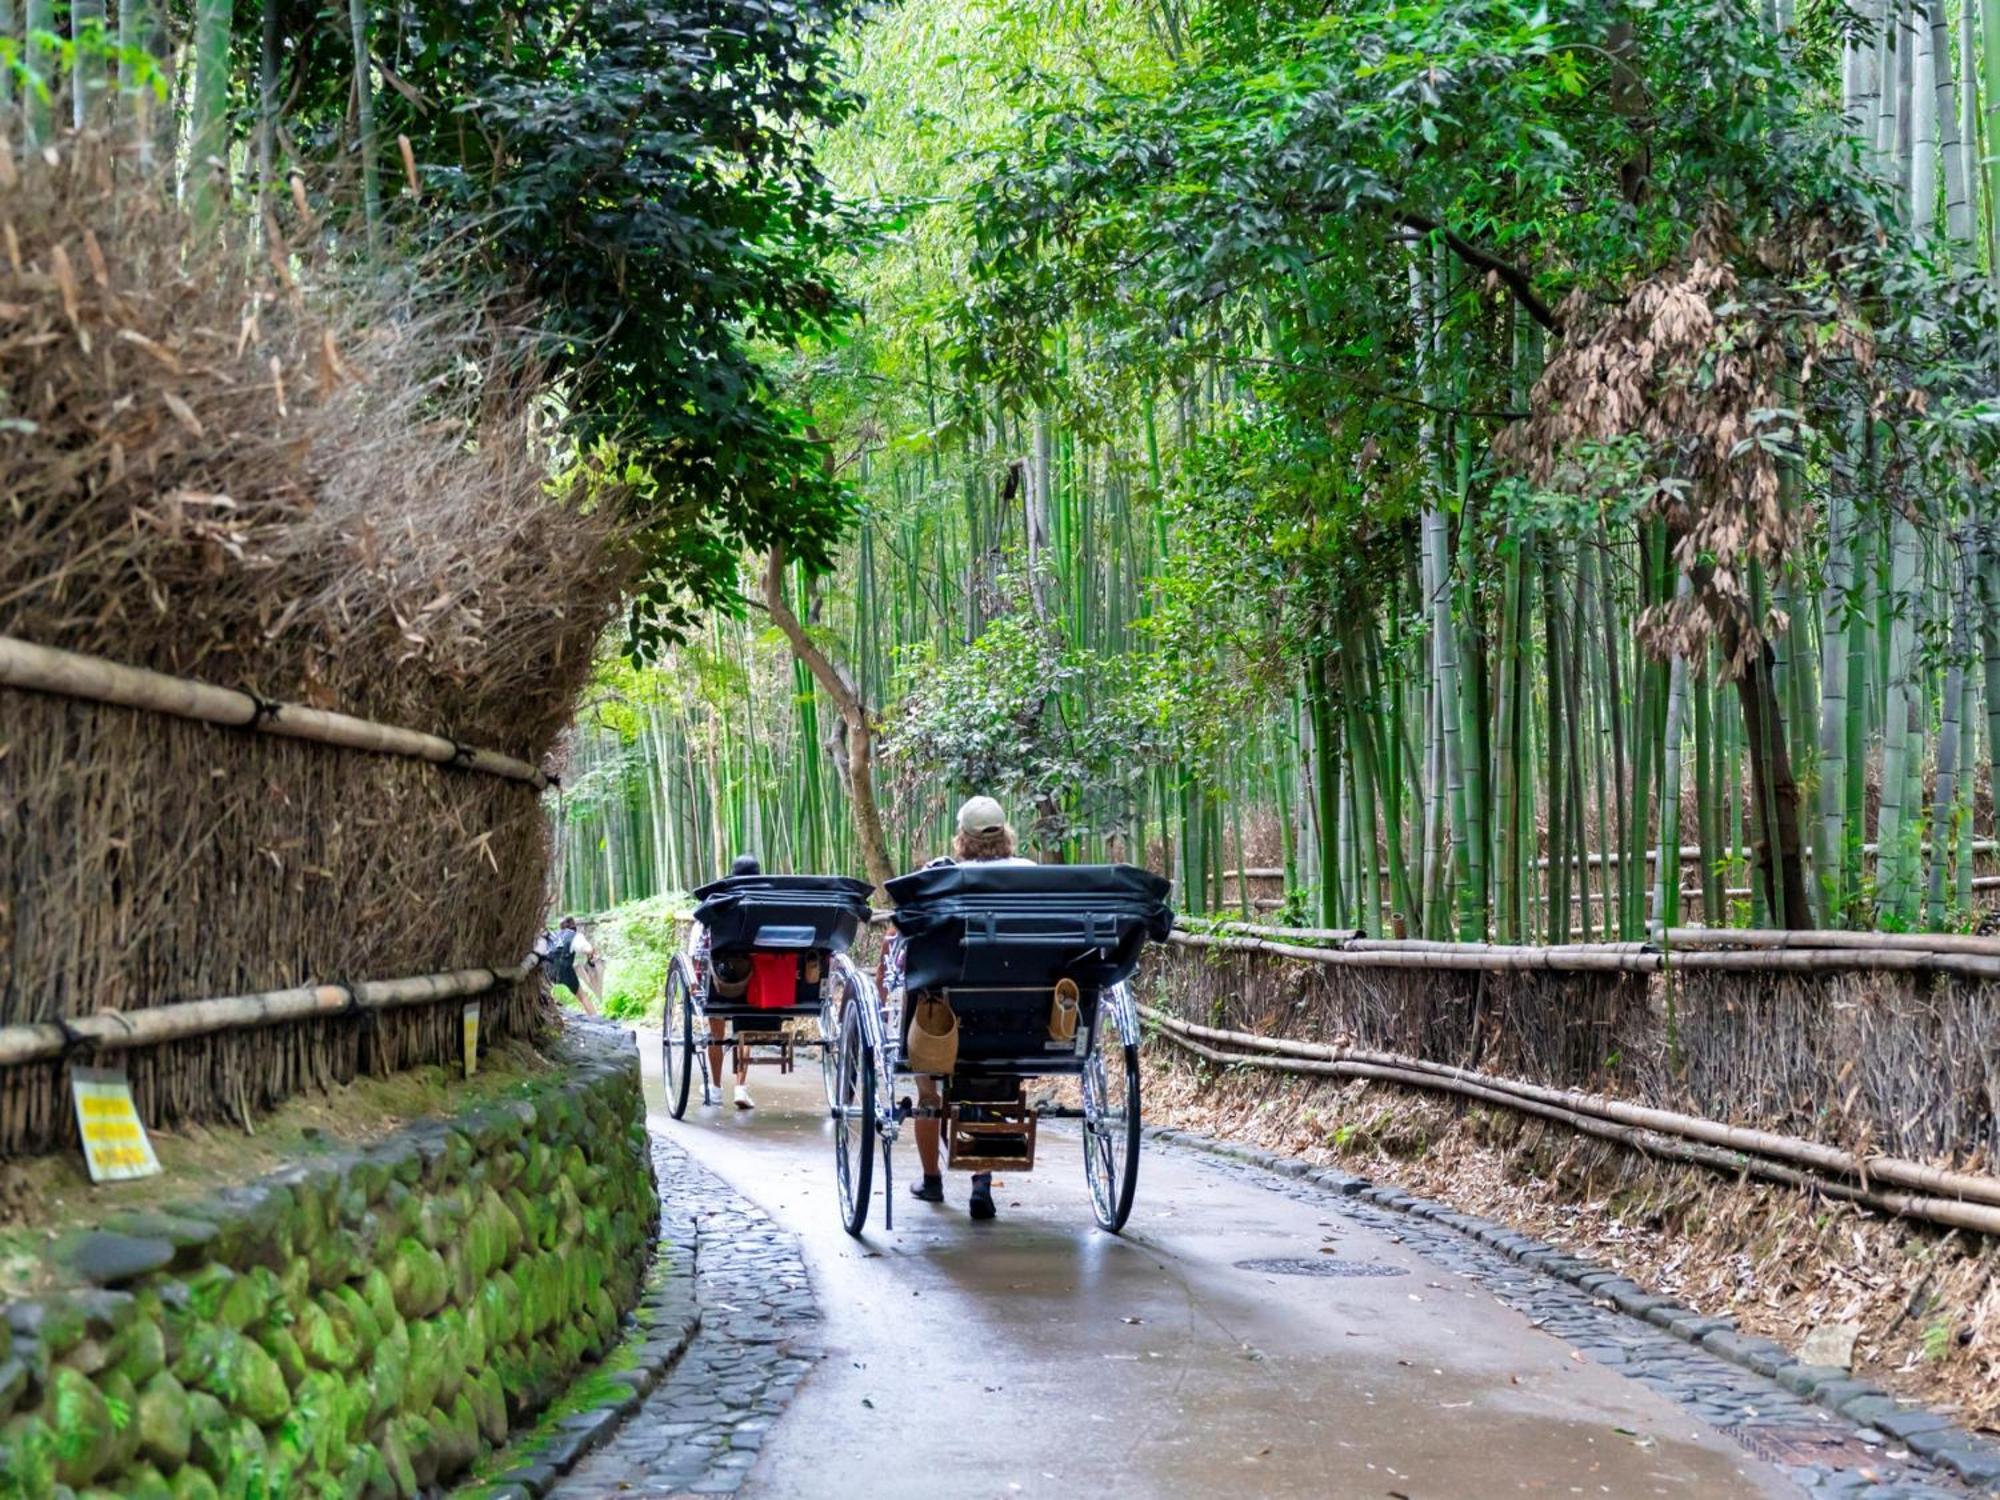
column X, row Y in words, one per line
column 981, row 815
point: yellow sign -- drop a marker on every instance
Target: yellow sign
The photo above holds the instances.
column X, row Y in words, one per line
column 471, row 1037
column 115, row 1146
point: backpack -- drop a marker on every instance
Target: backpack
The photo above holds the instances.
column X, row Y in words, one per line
column 560, row 963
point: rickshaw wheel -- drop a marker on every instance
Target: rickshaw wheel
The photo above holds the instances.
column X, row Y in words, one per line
column 1111, row 1125
column 677, row 1039
column 854, row 1121
column 829, row 1050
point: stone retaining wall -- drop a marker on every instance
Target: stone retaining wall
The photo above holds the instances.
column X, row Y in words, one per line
column 359, row 1326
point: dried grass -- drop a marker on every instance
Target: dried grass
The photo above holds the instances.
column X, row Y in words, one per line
column 248, row 468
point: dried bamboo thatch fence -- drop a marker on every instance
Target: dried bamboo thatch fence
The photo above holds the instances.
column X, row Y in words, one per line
column 291, row 631
column 1855, row 1065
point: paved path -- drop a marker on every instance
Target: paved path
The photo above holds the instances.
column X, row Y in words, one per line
column 1037, row 1356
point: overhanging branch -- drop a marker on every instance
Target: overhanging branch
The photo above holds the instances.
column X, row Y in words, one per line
column 1511, row 276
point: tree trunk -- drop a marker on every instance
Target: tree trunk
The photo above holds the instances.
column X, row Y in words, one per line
column 1781, row 865
column 853, row 712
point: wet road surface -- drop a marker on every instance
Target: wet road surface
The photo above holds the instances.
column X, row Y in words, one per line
column 1038, row 1356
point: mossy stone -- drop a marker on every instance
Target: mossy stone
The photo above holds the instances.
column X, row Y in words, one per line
column 145, row 1351
column 441, row 1219
column 13, row 1385
column 461, row 1285
column 368, row 1474
column 202, row 1292
column 248, row 1298
column 340, row 1256
column 417, row 1279
column 255, row 1225
column 425, row 1367
column 144, row 1482
column 243, row 1462
column 80, row 1418
column 166, row 1428
column 123, row 1400
column 315, row 1429
column 235, row 1369
column 396, row 1462
column 28, row 1454
column 190, row 1483
column 500, row 1308
column 381, row 1300
column 389, row 1374
column 56, row 1323
column 360, row 1325
column 282, row 1345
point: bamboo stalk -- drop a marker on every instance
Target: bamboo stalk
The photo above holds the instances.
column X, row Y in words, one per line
column 69, row 674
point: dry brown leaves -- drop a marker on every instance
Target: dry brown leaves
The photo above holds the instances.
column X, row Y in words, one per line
column 1704, row 370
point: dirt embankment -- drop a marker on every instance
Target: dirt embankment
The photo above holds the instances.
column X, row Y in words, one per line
column 1781, row 1263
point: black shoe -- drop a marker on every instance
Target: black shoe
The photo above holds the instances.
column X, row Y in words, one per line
column 928, row 1190
column 981, row 1202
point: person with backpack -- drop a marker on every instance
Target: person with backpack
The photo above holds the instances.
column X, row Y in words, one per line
column 571, row 957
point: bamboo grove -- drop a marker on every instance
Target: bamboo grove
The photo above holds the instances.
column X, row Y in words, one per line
column 1446, row 454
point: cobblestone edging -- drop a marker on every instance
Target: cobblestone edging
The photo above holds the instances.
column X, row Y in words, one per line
column 1752, row 1388
column 735, row 1329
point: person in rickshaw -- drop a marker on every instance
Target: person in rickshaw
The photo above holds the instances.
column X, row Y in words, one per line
column 732, row 977
column 984, row 837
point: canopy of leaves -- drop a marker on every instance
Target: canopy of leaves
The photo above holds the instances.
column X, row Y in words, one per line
column 643, row 174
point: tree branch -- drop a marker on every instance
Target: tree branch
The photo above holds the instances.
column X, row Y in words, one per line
column 1515, row 279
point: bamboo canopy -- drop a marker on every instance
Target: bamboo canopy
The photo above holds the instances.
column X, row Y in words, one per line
column 46, row 669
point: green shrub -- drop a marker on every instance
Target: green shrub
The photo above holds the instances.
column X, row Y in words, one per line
column 638, row 940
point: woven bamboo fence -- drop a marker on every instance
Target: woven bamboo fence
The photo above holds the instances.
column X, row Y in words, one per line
column 1856, row 1065
column 292, row 632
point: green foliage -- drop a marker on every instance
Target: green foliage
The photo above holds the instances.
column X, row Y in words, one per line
column 638, row 941
column 1018, row 716
column 642, row 177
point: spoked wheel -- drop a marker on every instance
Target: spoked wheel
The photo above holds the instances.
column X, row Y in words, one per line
column 829, row 1050
column 854, row 1120
column 677, row 1040
column 1111, row 1124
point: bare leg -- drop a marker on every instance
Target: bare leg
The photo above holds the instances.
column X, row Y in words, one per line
column 716, row 1026
column 928, row 1093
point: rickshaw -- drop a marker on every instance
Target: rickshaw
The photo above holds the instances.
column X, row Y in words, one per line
column 1032, row 964
column 762, row 951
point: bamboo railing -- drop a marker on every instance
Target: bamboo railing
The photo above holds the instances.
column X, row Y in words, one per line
column 1737, row 950
column 46, row 669
column 1655, row 1132
column 178, row 1021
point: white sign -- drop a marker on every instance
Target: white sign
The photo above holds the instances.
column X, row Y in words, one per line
column 115, row 1146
